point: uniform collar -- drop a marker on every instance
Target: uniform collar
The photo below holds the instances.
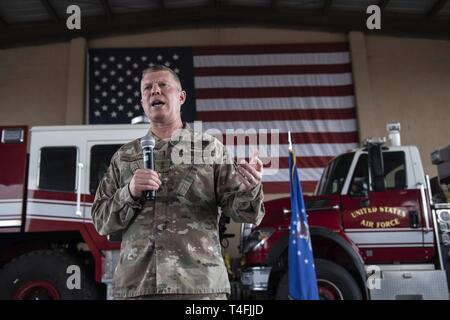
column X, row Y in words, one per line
column 183, row 134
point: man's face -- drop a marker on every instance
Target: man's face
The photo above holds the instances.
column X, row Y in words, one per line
column 161, row 97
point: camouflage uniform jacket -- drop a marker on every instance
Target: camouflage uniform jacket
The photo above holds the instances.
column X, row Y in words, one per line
column 170, row 245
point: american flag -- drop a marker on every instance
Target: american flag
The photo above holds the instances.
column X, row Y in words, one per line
column 303, row 88
column 114, row 81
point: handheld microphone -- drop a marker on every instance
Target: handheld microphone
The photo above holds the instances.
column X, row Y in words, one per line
column 147, row 144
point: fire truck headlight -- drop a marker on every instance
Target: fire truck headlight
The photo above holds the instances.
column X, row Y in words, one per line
column 444, row 216
column 257, row 238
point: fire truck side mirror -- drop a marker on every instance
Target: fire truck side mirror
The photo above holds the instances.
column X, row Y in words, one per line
column 376, row 166
column 359, row 187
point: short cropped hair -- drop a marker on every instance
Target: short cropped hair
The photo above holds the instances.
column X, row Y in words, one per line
column 159, row 67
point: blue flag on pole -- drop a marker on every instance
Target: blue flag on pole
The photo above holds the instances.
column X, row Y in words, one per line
column 302, row 273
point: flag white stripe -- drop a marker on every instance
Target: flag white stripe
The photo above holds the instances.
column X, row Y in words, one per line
column 345, row 125
column 306, row 174
column 271, row 59
column 282, row 150
column 275, row 103
column 267, row 81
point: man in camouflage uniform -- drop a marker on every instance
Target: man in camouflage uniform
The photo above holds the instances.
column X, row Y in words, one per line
column 170, row 246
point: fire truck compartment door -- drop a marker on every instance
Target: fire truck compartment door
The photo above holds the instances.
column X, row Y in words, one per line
column 409, row 285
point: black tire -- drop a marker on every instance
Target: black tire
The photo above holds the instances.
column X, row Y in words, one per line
column 42, row 275
column 334, row 282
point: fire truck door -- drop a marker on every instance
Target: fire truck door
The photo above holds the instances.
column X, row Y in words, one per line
column 386, row 225
column 99, row 158
column 55, row 183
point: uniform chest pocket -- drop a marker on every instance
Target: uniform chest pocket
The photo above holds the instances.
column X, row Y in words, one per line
column 128, row 165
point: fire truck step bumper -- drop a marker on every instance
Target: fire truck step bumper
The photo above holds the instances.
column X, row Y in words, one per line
column 410, row 285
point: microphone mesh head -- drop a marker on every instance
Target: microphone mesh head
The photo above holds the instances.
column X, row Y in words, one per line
column 147, row 141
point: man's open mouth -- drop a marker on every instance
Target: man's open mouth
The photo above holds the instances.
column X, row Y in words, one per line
column 157, row 103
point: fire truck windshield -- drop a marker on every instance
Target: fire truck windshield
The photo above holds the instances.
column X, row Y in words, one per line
column 334, row 175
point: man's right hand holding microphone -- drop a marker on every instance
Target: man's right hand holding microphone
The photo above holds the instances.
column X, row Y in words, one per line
column 142, row 181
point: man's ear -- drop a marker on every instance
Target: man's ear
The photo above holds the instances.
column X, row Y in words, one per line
column 182, row 97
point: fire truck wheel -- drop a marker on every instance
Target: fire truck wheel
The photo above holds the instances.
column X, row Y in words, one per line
column 334, row 283
column 46, row 275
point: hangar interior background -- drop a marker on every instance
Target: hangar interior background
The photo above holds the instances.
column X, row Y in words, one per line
column 401, row 72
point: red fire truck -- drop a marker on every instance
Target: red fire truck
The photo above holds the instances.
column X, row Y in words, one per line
column 49, row 248
column 376, row 229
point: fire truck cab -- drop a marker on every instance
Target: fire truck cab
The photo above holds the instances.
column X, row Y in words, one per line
column 49, row 248
column 376, row 229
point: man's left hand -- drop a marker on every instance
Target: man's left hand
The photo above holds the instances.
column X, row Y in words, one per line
column 250, row 173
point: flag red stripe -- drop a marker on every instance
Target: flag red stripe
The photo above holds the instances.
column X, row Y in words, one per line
column 302, row 162
column 268, row 49
column 327, row 91
column 273, row 70
column 297, row 137
column 268, row 115
column 283, row 187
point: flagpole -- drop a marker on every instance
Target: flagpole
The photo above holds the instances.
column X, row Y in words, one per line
column 290, row 141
